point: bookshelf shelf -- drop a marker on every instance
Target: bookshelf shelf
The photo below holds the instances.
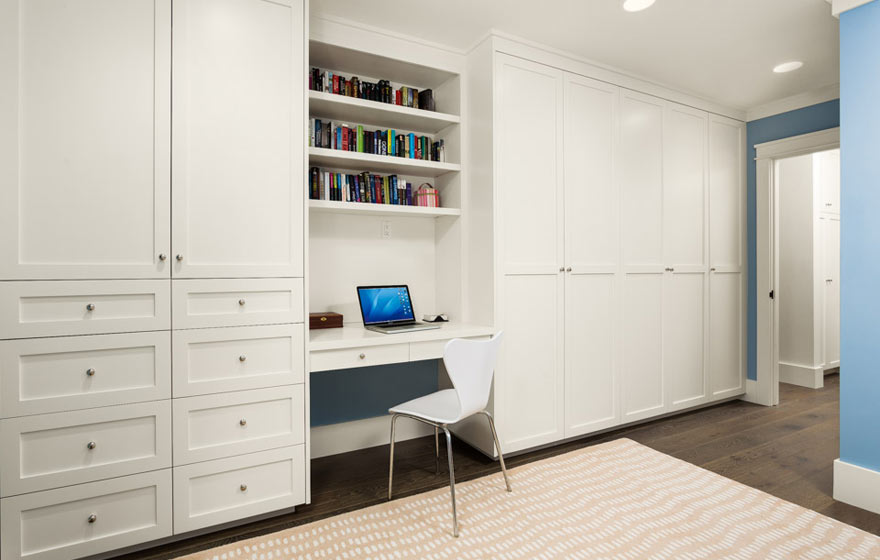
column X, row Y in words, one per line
column 362, row 111
column 366, row 209
column 358, row 161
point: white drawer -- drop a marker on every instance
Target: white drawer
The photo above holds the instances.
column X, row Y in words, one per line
column 224, row 490
column 433, row 349
column 215, row 426
column 52, row 450
column 55, row 525
column 237, row 358
column 359, row 357
column 42, row 375
column 30, row 309
column 230, row 303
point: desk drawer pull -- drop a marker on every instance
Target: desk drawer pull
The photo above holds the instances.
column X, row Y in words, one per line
column 362, row 356
column 242, row 422
column 90, row 372
column 243, row 487
column 90, row 307
column 91, row 445
column 242, row 358
column 92, row 518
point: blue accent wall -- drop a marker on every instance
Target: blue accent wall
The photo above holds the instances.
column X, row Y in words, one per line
column 860, row 236
column 358, row 393
column 800, row 121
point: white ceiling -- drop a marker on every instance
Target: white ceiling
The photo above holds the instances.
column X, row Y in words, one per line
column 721, row 50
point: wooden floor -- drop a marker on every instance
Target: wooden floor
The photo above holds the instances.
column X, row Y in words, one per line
column 785, row 450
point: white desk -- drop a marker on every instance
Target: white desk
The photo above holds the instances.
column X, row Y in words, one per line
column 354, row 346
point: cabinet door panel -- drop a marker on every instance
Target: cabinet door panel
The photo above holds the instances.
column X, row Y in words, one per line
column 726, row 193
column 683, row 340
column 726, row 366
column 831, row 234
column 84, row 139
column 642, row 384
column 237, row 137
column 684, row 191
column 591, row 387
column 530, row 99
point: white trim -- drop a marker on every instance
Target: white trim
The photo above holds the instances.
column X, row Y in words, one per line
column 753, row 395
column 857, row 486
column 811, row 377
column 361, row 434
column 819, row 141
column 840, row 6
column 794, row 102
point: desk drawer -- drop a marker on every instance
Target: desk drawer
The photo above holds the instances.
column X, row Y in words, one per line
column 215, row 426
column 433, row 349
column 224, row 490
column 31, row 309
column 56, row 525
column 52, row 450
column 231, row 303
column 359, row 357
column 43, row 375
column 238, row 358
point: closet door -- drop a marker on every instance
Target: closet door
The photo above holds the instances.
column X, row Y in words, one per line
column 529, row 380
column 684, row 250
column 640, row 172
column 727, row 373
column 237, row 138
column 591, row 256
column 831, row 242
column 84, row 139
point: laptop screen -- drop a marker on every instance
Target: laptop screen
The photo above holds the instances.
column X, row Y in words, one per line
column 385, row 304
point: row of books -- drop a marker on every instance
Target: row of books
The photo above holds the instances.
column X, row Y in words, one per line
column 381, row 91
column 323, row 134
column 362, row 187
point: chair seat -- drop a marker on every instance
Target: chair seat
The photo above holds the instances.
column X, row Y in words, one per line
column 441, row 407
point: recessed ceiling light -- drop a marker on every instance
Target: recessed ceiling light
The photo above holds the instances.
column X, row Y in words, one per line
column 787, row 66
column 637, row 5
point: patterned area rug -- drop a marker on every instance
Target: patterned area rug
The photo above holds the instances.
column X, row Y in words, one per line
column 615, row 500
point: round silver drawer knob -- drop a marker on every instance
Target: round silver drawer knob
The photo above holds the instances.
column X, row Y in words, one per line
column 93, row 518
column 242, row 358
column 90, row 372
column 241, row 302
column 91, row 445
column 242, row 422
column 179, row 258
column 362, row 356
column 163, row 257
column 90, row 307
column 243, row 487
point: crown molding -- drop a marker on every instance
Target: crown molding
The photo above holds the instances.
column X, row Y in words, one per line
column 840, row 6
column 799, row 101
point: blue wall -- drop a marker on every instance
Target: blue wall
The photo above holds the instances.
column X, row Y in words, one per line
column 860, row 236
column 801, row 121
column 355, row 394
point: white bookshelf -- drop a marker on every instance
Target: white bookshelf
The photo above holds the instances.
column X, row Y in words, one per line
column 341, row 159
column 369, row 209
column 363, row 111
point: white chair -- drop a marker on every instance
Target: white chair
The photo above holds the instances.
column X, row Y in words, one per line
column 470, row 365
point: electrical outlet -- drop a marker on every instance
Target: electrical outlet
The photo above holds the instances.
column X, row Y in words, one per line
column 386, row 229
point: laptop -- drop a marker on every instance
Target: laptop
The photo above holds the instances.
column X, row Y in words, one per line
column 389, row 310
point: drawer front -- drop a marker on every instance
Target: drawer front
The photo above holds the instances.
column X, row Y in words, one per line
column 55, row 525
column 230, row 303
column 433, row 349
column 44, row 375
column 52, row 450
column 30, row 309
column 238, row 358
column 224, row 490
column 359, row 357
column 215, row 426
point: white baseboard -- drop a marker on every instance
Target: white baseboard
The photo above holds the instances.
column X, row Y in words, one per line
column 832, row 365
column 360, row 434
column 805, row 376
column 857, row 486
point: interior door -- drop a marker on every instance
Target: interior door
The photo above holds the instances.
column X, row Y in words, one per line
column 529, row 380
column 684, row 249
column 84, row 139
column 640, row 172
column 727, row 367
column 591, row 256
column 831, row 241
column 238, row 138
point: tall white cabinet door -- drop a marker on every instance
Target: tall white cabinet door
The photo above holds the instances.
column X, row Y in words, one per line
column 727, row 367
column 684, row 249
column 530, row 377
column 831, row 242
column 640, row 173
column 84, row 138
column 237, row 138
column 591, row 256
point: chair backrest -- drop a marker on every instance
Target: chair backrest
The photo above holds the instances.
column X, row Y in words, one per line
column 471, row 365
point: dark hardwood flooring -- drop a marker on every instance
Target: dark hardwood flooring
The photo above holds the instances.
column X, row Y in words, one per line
column 785, row 450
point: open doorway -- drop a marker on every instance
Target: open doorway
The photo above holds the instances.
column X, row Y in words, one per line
column 798, row 262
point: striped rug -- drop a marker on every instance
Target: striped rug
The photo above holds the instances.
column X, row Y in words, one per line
column 614, row 500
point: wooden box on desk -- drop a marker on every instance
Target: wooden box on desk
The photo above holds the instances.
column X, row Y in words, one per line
column 325, row 320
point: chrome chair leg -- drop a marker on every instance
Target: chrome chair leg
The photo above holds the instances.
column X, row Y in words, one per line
column 451, row 480
column 498, row 447
column 436, row 450
column 391, row 457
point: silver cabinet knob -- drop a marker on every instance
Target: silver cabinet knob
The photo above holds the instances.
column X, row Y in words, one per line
column 90, row 307
column 179, row 258
column 829, row 279
column 90, row 372
column 568, row 269
column 827, row 204
column 163, row 257
column 242, row 422
column 561, row 269
column 93, row 518
column 91, row 445
column 669, row 269
column 241, row 301
column 712, row 269
column 242, row 358
column 362, row 356
column 243, row 487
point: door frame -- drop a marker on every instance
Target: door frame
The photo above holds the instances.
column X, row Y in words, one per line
column 766, row 389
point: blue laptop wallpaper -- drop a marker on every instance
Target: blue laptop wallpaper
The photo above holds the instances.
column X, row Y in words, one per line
column 385, row 304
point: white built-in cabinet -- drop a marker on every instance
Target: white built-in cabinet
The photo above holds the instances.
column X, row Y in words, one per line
column 619, row 224
column 151, row 270
column 831, row 286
